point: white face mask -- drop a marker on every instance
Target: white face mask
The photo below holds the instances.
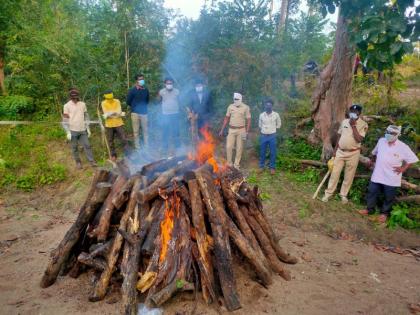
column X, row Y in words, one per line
column 169, row 87
column 390, row 138
column 353, row 116
column 199, row 88
column 237, row 102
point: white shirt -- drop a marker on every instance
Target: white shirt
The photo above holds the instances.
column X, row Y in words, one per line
column 390, row 156
column 170, row 104
column 269, row 123
column 76, row 112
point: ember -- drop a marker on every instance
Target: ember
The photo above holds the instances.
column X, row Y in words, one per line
column 165, row 228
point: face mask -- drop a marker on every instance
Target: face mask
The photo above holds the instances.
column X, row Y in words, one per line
column 142, row 82
column 390, row 138
column 169, row 87
column 237, row 102
column 268, row 108
column 199, row 88
column 109, row 96
column 353, row 116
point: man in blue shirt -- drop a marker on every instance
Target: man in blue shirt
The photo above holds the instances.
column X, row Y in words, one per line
column 138, row 100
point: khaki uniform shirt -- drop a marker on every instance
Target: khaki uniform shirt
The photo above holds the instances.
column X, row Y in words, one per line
column 76, row 112
column 347, row 141
column 238, row 115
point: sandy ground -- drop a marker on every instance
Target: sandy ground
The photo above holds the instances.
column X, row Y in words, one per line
column 332, row 277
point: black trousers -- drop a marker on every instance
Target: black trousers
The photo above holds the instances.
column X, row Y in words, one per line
column 374, row 191
column 117, row 132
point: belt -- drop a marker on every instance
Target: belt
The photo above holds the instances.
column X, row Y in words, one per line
column 268, row 134
column 233, row 127
column 351, row 150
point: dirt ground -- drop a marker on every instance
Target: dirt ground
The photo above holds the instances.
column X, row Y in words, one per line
column 333, row 276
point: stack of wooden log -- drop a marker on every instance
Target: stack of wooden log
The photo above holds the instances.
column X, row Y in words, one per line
column 174, row 226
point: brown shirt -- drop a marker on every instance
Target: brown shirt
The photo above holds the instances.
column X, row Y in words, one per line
column 347, row 141
column 238, row 115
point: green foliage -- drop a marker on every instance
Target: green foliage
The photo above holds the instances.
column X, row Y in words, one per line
column 14, row 106
column 27, row 159
column 382, row 30
column 400, row 217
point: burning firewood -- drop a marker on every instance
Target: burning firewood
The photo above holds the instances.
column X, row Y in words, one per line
column 152, row 230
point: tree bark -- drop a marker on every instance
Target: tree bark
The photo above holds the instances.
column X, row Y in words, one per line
column 2, row 77
column 60, row 255
column 204, row 257
column 332, row 96
column 283, row 15
column 102, row 284
column 217, row 217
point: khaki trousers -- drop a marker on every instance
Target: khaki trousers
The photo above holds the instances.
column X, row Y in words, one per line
column 349, row 160
column 234, row 139
column 138, row 120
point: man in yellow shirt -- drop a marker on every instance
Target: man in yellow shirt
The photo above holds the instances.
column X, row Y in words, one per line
column 112, row 114
column 238, row 116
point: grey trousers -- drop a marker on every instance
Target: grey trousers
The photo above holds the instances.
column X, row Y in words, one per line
column 82, row 138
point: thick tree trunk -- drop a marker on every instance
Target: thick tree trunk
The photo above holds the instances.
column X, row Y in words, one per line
column 283, row 14
column 332, row 96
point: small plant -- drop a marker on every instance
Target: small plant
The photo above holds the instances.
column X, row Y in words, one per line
column 399, row 217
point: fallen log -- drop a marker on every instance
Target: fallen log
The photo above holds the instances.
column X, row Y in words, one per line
column 60, row 255
column 123, row 194
column 222, row 251
column 152, row 191
column 161, row 165
column 412, row 198
column 102, row 284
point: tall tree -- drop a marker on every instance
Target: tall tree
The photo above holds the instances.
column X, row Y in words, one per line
column 382, row 32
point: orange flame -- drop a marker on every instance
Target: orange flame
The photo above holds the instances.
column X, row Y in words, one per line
column 206, row 148
column 172, row 204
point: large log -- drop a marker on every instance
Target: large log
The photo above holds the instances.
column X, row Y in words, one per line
column 154, row 230
column 101, row 231
column 217, row 217
column 203, row 246
column 266, row 245
column 99, row 291
column 148, row 278
column 123, row 195
column 152, row 191
column 60, row 255
column 412, row 198
column 256, row 258
column 128, row 289
column 161, row 165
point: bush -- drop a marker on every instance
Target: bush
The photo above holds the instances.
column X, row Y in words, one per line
column 11, row 107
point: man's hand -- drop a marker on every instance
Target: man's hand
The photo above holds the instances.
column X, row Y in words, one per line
column 221, row 133
column 88, row 132
column 399, row 169
column 352, row 122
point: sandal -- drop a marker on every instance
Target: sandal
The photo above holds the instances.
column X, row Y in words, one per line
column 363, row 212
column 382, row 218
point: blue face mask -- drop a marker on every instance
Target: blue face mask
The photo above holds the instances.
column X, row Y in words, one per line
column 390, row 138
column 142, row 82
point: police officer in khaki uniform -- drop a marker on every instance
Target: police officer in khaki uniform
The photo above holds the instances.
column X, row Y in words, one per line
column 238, row 116
column 347, row 152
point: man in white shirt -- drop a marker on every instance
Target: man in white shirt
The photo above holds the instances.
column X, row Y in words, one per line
column 268, row 123
column 75, row 116
column 170, row 115
column 393, row 158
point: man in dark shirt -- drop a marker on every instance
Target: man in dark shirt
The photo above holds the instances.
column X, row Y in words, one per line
column 200, row 102
column 138, row 100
